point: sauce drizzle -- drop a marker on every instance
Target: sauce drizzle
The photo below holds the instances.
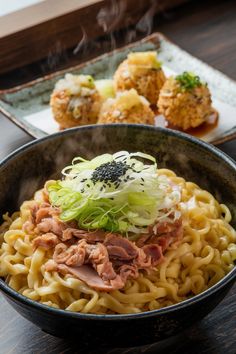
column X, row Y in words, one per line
column 203, row 129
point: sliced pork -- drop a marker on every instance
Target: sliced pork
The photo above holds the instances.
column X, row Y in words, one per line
column 103, row 260
column 90, row 277
column 51, row 225
column 46, row 211
column 154, row 253
column 90, row 236
column 163, row 234
column 115, row 260
column 87, row 274
column 119, row 247
column 47, row 241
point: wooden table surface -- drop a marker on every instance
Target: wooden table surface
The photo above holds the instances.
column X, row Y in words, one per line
column 207, row 30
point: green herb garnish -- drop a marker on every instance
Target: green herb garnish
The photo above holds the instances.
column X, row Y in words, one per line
column 117, row 193
column 188, row 81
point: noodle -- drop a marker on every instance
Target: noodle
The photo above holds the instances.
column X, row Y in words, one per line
column 204, row 255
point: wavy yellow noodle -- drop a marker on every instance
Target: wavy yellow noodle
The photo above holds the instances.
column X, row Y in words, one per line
column 206, row 253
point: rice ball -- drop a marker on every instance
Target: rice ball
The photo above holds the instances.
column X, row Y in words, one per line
column 75, row 101
column 126, row 107
column 141, row 71
column 185, row 101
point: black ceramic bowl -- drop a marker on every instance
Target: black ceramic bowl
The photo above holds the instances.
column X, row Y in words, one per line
column 26, row 170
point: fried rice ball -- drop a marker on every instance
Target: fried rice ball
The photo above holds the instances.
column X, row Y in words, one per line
column 126, row 107
column 75, row 101
column 141, row 71
column 185, row 102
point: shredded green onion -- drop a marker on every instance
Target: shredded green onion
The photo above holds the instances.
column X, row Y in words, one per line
column 119, row 193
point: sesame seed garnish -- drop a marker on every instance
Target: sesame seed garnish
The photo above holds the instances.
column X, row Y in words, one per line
column 110, row 172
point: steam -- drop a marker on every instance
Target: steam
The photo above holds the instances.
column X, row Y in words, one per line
column 145, row 24
column 81, row 42
column 55, row 56
column 108, row 18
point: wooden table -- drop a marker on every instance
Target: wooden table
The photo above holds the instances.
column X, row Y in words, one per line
column 207, row 30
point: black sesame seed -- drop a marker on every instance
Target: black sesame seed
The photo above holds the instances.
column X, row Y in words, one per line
column 109, row 172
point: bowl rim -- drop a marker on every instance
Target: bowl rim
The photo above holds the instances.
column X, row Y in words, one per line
column 229, row 277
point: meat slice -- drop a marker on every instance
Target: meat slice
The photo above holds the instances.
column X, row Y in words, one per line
column 104, row 261
column 47, row 241
column 45, row 211
column 119, row 247
column 114, row 261
column 163, row 241
column 143, row 239
column 162, row 234
column 128, row 271
column 169, row 233
column 154, row 252
column 71, row 256
column 30, row 224
column 53, row 225
column 87, row 274
column 89, row 236
column 105, row 270
column 100, row 261
column 119, row 253
column 34, row 208
column 173, row 229
column 142, row 261
column 84, row 253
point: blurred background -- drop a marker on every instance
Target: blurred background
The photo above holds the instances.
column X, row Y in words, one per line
column 38, row 37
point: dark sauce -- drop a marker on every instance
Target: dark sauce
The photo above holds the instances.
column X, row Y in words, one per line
column 206, row 127
column 200, row 131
